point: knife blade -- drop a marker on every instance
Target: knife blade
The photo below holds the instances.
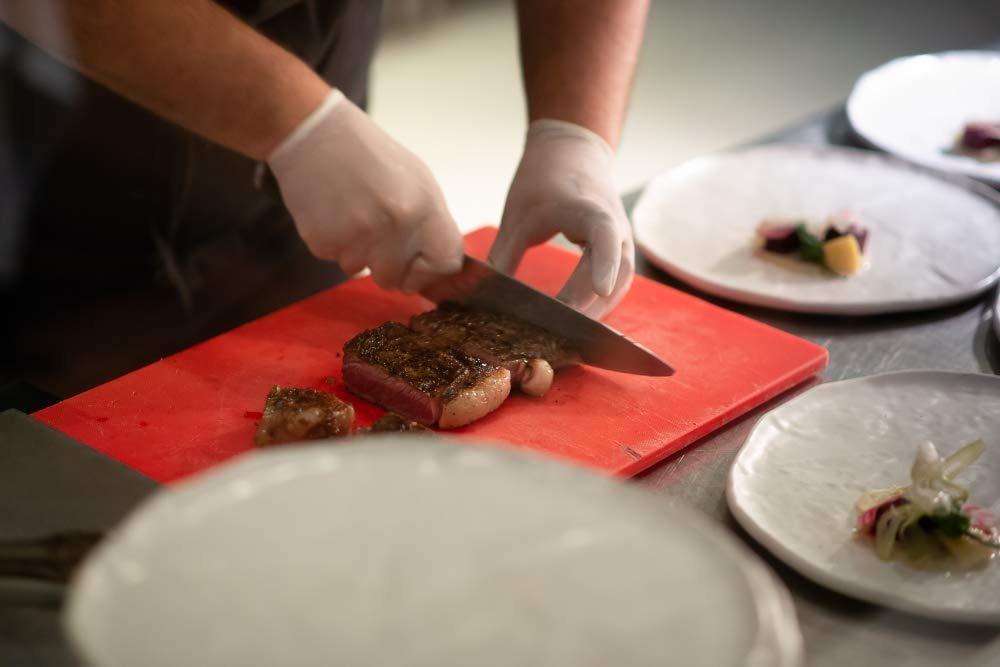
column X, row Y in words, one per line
column 478, row 285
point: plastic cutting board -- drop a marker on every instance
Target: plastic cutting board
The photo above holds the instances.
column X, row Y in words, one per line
column 199, row 407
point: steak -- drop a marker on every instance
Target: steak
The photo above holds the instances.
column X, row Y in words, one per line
column 292, row 414
column 390, row 422
column 415, row 376
column 530, row 353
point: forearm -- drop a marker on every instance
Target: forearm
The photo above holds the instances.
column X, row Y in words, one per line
column 578, row 58
column 188, row 61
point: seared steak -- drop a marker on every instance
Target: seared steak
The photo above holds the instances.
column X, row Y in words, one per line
column 292, row 414
column 390, row 422
column 530, row 353
column 415, row 376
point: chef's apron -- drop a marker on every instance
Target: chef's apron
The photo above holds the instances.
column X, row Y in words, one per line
column 128, row 238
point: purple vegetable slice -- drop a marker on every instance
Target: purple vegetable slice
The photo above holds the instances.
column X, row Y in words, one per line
column 860, row 234
column 783, row 239
column 980, row 136
column 833, row 232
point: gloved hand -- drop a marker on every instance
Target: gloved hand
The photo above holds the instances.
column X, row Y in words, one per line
column 362, row 200
column 564, row 184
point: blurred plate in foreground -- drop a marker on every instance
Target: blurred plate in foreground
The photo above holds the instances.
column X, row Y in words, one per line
column 407, row 551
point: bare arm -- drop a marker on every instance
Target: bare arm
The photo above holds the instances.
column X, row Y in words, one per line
column 578, row 58
column 188, row 61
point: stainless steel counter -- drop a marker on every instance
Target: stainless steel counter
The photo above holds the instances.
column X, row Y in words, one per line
column 839, row 630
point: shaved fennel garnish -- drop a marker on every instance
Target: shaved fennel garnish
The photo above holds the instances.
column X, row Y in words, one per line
column 929, row 520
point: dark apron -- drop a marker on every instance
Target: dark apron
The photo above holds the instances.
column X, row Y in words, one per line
column 118, row 225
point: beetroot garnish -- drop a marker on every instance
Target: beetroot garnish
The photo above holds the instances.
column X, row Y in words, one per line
column 782, row 239
column 981, row 519
column 868, row 518
column 833, row 232
column 979, row 136
column 860, row 234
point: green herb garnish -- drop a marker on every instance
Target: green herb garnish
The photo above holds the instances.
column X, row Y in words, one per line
column 810, row 247
column 953, row 524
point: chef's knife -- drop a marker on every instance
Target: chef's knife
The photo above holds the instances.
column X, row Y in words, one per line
column 479, row 285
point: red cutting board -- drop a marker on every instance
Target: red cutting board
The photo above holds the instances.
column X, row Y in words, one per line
column 198, row 407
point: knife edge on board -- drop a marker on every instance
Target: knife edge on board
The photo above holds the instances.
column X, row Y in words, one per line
column 479, row 285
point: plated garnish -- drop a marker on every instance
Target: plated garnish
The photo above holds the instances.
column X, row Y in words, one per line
column 929, row 523
column 839, row 246
column 980, row 140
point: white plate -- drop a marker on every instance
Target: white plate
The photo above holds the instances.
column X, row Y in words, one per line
column 794, row 484
column 413, row 552
column 932, row 243
column 915, row 107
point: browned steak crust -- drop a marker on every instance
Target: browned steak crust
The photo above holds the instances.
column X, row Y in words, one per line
column 417, row 377
column 393, row 423
column 418, row 360
column 293, row 414
column 498, row 338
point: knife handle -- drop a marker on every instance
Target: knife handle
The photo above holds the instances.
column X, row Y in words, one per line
column 52, row 558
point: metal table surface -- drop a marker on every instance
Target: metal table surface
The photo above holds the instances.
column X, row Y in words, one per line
column 839, row 630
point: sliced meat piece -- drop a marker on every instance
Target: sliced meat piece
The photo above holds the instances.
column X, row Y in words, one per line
column 393, row 423
column 530, row 353
column 420, row 379
column 292, row 414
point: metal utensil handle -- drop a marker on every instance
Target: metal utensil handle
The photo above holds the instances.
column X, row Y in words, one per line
column 51, row 558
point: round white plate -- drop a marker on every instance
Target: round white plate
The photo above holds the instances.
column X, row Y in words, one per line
column 915, row 107
column 794, row 484
column 932, row 243
column 416, row 552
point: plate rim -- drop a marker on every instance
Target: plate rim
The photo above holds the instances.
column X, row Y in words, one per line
column 814, row 307
column 806, row 567
column 850, row 108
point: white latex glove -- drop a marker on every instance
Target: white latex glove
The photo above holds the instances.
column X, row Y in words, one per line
column 362, row 200
column 564, row 184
